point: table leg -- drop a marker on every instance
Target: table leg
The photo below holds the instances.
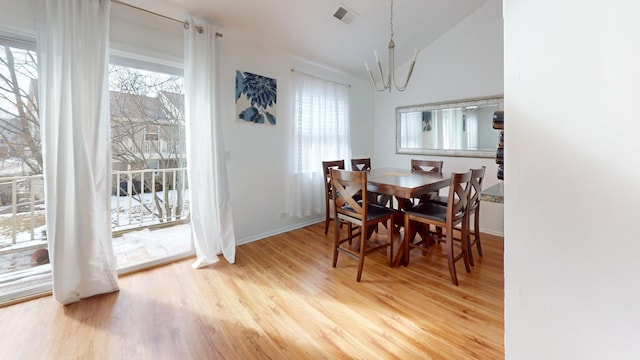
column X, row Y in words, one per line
column 399, row 240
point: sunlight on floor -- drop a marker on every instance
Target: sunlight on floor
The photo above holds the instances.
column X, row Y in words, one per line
column 145, row 245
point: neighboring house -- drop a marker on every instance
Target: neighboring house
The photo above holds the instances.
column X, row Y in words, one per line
column 147, row 132
column 7, row 120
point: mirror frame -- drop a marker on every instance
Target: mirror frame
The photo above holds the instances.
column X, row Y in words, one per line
column 483, row 153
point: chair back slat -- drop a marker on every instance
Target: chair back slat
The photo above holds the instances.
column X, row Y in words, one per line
column 477, row 175
column 363, row 164
column 459, row 190
column 328, row 202
column 426, row 165
column 348, row 188
column 326, row 168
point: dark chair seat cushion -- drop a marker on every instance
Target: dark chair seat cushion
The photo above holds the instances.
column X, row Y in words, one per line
column 440, row 200
column 374, row 211
column 429, row 210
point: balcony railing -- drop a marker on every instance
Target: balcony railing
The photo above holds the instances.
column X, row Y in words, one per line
column 21, row 210
column 149, row 197
column 140, row 198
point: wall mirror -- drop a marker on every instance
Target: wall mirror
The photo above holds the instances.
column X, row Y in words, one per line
column 453, row 128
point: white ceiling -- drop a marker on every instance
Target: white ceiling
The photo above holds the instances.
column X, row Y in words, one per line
column 307, row 28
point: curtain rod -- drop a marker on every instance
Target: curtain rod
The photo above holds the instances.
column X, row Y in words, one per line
column 318, row 77
column 185, row 24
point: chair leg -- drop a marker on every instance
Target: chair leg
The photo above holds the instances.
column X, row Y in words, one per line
column 439, row 236
column 451, row 257
column 424, row 234
column 469, row 244
column 328, row 211
column 336, row 242
column 363, row 240
column 476, row 239
column 469, row 247
column 476, row 231
column 464, row 245
column 350, row 233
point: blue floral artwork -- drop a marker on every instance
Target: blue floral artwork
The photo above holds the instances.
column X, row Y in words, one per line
column 255, row 98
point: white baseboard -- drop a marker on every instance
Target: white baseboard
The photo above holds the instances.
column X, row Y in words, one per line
column 278, row 231
column 317, row 220
column 492, row 232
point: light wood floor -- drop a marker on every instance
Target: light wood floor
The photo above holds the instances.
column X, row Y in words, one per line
column 281, row 300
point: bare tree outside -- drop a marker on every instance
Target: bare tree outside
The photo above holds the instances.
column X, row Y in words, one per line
column 19, row 121
column 147, row 132
column 147, row 147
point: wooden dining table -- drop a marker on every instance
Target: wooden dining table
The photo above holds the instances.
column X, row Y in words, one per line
column 403, row 185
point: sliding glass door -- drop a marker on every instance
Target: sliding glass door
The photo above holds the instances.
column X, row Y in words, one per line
column 149, row 197
column 149, row 163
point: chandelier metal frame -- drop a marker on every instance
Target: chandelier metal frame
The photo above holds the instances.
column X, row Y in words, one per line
column 390, row 66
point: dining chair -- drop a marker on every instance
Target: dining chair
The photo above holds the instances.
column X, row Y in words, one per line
column 328, row 203
column 448, row 217
column 363, row 164
column 434, row 166
column 426, row 165
column 351, row 205
column 477, row 175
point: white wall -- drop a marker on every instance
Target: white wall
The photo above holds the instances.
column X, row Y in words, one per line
column 258, row 154
column 572, row 80
column 466, row 62
column 146, row 36
column 487, row 135
column 20, row 19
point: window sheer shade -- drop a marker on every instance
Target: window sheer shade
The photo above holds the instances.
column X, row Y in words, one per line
column 321, row 132
column 412, row 130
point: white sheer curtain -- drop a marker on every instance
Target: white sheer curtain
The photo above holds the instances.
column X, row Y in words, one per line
column 321, row 133
column 449, row 129
column 411, row 134
column 74, row 115
column 472, row 130
column 211, row 220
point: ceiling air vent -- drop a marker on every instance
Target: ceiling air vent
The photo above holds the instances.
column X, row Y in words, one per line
column 345, row 14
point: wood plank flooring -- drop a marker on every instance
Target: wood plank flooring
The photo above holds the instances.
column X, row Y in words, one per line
column 281, row 300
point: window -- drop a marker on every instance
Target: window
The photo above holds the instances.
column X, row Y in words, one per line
column 23, row 241
column 151, row 134
column 149, row 184
column 321, row 132
column 19, row 121
column 147, row 116
column 149, row 157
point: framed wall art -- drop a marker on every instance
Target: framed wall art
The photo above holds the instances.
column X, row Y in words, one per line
column 255, row 98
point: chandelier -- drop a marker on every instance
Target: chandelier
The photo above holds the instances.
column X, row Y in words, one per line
column 390, row 67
